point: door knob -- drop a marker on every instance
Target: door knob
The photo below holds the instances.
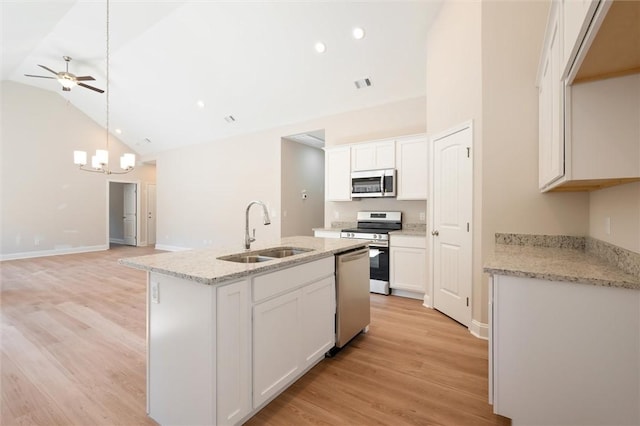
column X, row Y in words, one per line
column 435, row 233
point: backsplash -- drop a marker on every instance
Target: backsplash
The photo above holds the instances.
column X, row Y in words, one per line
column 346, row 211
column 624, row 259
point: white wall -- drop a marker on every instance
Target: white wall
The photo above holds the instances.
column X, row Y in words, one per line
column 48, row 205
column 621, row 204
column 302, row 169
column 203, row 190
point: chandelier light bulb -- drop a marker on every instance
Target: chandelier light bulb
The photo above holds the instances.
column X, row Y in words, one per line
column 80, row 158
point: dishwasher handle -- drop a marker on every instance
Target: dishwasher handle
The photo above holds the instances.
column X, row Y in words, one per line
column 354, row 255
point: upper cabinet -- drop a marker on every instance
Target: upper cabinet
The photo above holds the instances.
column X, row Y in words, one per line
column 373, row 156
column 337, row 174
column 411, row 162
column 589, row 96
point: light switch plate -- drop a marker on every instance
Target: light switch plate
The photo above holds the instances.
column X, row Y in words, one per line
column 155, row 292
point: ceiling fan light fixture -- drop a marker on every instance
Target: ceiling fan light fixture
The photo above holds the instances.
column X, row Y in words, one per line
column 67, row 82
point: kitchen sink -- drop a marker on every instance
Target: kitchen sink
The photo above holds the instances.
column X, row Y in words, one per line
column 264, row 255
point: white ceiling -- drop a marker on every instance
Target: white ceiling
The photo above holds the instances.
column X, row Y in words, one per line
column 253, row 60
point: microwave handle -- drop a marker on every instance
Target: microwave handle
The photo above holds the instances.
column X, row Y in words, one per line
column 382, row 184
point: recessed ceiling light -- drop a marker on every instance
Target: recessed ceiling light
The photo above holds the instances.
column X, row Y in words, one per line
column 200, row 104
column 358, row 33
column 320, row 47
column 118, row 131
column 229, row 119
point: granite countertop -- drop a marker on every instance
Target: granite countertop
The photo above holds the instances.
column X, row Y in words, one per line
column 558, row 264
column 202, row 265
column 410, row 232
column 327, row 229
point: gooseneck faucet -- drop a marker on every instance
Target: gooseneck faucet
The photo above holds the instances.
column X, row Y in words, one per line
column 248, row 239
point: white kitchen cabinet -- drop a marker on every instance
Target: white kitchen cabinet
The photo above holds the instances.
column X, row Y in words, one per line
column 411, row 165
column 293, row 325
column 337, row 174
column 551, row 104
column 233, row 352
column 589, row 102
column 373, row 155
column 564, row 353
column 408, row 264
column 326, row 233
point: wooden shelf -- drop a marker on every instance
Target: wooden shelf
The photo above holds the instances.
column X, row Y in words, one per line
column 615, row 50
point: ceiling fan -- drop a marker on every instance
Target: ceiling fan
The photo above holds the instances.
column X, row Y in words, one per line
column 67, row 79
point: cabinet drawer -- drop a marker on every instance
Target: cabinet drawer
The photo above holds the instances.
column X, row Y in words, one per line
column 408, row 241
column 268, row 285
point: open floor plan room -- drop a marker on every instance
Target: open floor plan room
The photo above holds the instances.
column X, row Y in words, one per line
column 73, row 353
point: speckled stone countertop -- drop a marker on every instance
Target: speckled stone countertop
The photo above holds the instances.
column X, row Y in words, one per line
column 410, row 232
column 202, row 265
column 560, row 262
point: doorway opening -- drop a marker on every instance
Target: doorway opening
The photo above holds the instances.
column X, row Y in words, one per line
column 302, row 183
column 123, row 206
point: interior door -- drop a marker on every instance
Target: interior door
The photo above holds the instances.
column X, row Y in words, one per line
column 129, row 214
column 452, row 214
column 151, row 214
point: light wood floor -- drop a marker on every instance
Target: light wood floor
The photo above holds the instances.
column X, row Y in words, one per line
column 73, row 353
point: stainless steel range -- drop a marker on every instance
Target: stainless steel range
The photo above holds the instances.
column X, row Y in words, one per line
column 375, row 227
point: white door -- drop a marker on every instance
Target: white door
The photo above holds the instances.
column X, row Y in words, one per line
column 452, row 214
column 151, row 214
column 129, row 215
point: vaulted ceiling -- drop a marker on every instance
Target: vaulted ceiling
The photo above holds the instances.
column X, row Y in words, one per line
column 178, row 68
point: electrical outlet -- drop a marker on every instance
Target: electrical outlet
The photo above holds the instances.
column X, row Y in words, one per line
column 336, row 215
column 422, row 216
column 607, row 225
column 155, row 292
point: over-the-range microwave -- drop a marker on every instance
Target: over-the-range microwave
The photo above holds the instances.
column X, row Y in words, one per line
column 373, row 183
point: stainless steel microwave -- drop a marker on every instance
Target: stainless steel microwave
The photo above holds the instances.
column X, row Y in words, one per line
column 373, row 183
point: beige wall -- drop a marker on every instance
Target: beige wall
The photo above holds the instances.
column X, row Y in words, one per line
column 302, row 169
column 482, row 60
column 621, row 204
column 48, row 206
column 203, row 190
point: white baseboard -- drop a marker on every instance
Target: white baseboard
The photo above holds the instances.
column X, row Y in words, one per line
column 53, row 252
column 408, row 294
column 116, row 240
column 479, row 329
column 142, row 244
column 170, row 248
column 427, row 301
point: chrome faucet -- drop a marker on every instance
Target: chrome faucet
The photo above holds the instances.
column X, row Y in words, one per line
column 247, row 238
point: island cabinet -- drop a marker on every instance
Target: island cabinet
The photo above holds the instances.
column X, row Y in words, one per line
column 219, row 353
column 564, row 352
column 290, row 328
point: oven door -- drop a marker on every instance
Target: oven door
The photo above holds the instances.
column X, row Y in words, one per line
column 379, row 263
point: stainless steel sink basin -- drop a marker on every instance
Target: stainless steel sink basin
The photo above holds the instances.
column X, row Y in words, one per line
column 280, row 252
column 264, row 255
column 245, row 258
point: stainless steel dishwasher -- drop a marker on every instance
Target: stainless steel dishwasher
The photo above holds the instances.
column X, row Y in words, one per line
column 353, row 313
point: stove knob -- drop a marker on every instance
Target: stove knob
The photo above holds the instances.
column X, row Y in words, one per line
column 375, row 236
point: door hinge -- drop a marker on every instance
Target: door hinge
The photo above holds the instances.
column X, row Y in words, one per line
column 468, row 152
column 467, row 301
column 467, row 226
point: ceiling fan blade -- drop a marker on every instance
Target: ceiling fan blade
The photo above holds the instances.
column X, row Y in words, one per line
column 85, row 78
column 48, row 69
column 39, row 76
column 91, row 87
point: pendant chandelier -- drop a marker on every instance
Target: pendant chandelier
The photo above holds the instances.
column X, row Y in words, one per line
column 100, row 161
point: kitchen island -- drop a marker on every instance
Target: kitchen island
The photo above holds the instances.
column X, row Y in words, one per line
column 225, row 338
column 564, row 330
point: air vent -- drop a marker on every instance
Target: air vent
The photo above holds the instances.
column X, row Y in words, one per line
column 229, row 119
column 360, row 84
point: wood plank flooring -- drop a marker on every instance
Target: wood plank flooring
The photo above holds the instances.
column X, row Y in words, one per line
column 73, row 353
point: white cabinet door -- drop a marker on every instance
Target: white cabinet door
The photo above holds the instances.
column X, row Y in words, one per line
column 318, row 330
column 374, row 155
column 337, row 174
column 411, row 163
column 551, row 107
column 408, row 263
column 276, row 345
column 233, row 352
column 576, row 16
